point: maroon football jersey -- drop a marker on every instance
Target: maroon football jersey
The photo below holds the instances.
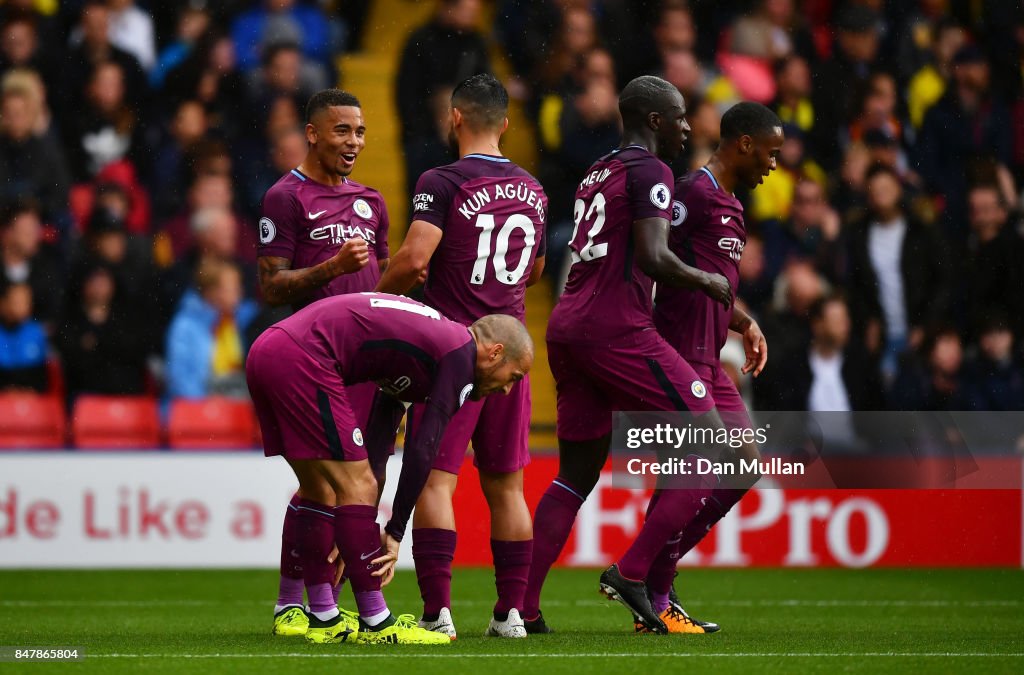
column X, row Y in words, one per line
column 308, row 222
column 493, row 214
column 607, row 296
column 708, row 233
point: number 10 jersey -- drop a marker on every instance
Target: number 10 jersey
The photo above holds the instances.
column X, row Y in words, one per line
column 607, row 297
column 492, row 214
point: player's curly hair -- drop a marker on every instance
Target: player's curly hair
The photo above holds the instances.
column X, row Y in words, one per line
column 328, row 98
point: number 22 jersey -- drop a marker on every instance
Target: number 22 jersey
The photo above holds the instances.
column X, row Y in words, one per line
column 607, row 297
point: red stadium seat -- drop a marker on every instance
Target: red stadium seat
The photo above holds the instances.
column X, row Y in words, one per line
column 115, row 422
column 31, row 421
column 211, row 423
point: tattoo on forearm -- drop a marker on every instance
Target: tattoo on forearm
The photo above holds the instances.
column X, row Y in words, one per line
column 282, row 285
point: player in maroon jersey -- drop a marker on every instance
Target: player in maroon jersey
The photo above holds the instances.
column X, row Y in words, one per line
column 299, row 373
column 321, row 234
column 708, row 232
column 603, row 348
column 478, row 234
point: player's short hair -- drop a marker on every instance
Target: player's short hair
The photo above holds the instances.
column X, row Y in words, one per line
column 748, row 119
column 483, row 101
column 328, row 98
column 505, row 330
column 644, row 95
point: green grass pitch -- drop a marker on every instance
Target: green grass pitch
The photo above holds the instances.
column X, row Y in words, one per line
column 774, row 621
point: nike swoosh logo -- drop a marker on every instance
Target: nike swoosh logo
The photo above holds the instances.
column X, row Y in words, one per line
column 314, row 216
column 295, row 554
column 364, row 557
column 725, row 219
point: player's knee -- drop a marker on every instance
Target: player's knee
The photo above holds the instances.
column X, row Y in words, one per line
column 502, row 490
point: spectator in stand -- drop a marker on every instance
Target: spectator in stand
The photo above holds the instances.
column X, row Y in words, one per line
column 210, row 75
column 131, row 29
column 29, row 82
column 756, row 284
column 994, row 379
column 26, row 260
column 831, row 373
column 837, row 80
column 772, row 32
column 705, row 119
column 20, row 48
column 205, row 353
column 193, row 22
column 30, row 165
column 282, row 75
column 995, row 277
column 189, row 126
column 94, row 48
column 128, row 258
column 209, row 191
column 576, row 126
column 930, row 377
column 969, row 123
column 788, row 321
column 108, row 129
column 811, row 233
column 878, row 109
column 576, row 37
column 793, row 93
column 917, row 36
column 288, row 147
column 899, row 275
column 23, row 344
column 215, row 237
column 102, row 339
column 436, row 57
column 929, row 83
column 271, row 22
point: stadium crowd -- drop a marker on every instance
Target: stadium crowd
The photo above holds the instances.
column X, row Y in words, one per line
column 138, row 138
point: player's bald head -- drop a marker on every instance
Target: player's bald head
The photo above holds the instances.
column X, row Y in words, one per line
column 483, row 102
column 508, row 331
column 645, row 95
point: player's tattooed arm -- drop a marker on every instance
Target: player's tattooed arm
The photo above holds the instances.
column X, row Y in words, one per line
column 409, row 265
column 755, row 347
column 282, row 285
column 652, row 254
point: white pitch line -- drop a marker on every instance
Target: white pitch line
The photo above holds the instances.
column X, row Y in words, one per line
column 346, row 653
column 554, row 603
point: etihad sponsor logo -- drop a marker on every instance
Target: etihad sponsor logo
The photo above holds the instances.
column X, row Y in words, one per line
column 336, row 233
column 733, row 246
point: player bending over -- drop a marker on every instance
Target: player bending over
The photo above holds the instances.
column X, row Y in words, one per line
column 478, row 229
column 321, row 234
column 299, row 372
